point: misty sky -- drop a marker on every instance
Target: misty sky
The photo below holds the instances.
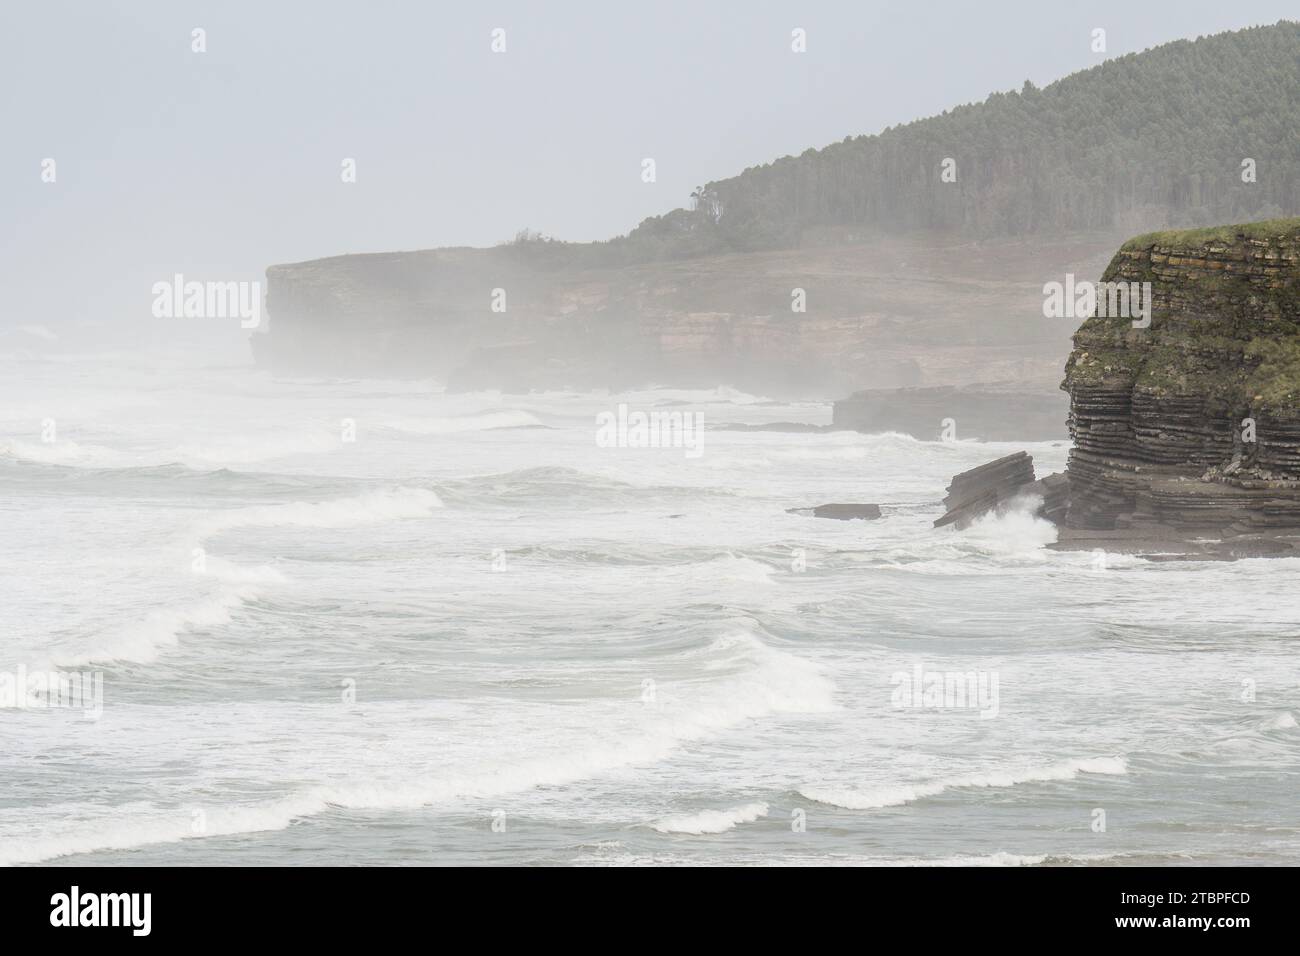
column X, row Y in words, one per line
column 218, row 164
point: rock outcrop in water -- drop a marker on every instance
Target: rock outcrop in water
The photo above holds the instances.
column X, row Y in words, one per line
column 1005, row 483
column 1186, row 428
column 841, row 511
column 982, row 489
column 1190, row 428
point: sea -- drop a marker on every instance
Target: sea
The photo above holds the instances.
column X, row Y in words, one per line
column 372, row 622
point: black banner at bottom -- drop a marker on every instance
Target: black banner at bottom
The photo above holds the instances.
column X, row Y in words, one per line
column 332, row 906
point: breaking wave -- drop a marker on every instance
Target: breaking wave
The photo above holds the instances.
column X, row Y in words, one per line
column 893, row 796
column 381, row 505
column 761, row 681
column 485, row 421
column 712, row 821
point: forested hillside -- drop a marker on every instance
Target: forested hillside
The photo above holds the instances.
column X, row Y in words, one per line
column 1142, row 141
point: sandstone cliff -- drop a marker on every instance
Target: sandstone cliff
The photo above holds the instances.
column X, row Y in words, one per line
column 1191, row 427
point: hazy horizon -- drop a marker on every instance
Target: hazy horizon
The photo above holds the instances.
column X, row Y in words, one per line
column 222, row 163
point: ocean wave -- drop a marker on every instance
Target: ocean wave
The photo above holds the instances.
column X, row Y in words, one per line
column 144, row 640
column 380, row 505
column 244, row 450
column 1000, row 858
column 36, row 331
column 170, row 480
column 753, row 681
column 849, row 798
column 1283, row 721
column 560, row 483
column 722, row 395
column 66, row 453
column 237, row 450
column 483, row 421
column 711, row 821
column 736, row 569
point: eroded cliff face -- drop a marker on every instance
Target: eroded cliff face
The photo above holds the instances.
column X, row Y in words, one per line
column 1191, row 426
column 883, row 313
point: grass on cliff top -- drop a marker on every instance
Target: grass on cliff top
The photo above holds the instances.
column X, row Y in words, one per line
column 1265, row 229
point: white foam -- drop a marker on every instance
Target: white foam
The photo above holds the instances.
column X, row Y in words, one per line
column 486, row 421
column 38, row 331
column 892, row 796
column 722, row 395
column 1283, row 721
column 381, row 505
column 1015, row 530
column 712, row 821
column 67, row 453
column 143, row 641
column 995, row 859
column 738, row 568
column 764, row 681
column 232, row 573
column 223, row 452
column 247, row 450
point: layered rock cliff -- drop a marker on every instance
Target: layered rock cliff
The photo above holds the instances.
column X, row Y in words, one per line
column 1190, row 427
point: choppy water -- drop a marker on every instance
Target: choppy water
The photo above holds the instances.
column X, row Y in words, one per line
column 609, row 653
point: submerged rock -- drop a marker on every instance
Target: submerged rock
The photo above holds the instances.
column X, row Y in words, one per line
column 841, row 511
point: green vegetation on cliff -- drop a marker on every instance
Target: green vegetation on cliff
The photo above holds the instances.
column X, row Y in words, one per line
column 1194, row 238
column 1152, row 138
column 1226, row 322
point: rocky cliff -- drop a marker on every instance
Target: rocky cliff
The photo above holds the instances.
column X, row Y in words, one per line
column 837, row 314
column 1190, row 427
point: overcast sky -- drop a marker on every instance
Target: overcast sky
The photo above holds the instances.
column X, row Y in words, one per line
column 221, row 163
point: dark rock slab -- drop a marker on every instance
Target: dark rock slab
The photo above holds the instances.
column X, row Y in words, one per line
column 841, row 511
column 980, row 490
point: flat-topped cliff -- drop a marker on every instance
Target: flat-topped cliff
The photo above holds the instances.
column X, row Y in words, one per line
column 1191, row 425
column 824, row 319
